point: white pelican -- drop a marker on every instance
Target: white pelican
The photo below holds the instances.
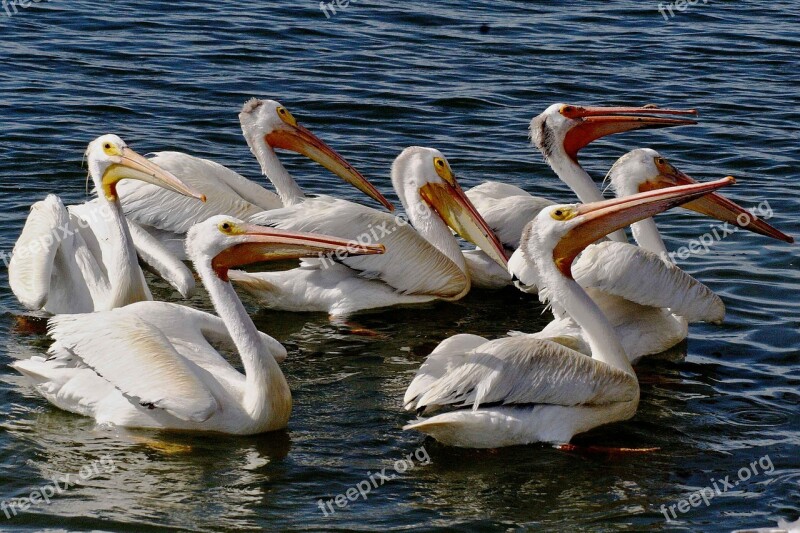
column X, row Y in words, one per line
column 84, row 258
column 649, row 301
column 523, row 389
column 559, row 133
column 266, row 125
column 421, row 264
column 151, row 364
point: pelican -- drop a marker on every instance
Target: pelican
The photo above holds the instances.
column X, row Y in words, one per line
column 421, row 264
column 266, row 125
column 523, row 389
column 151, row 364
column 84, row 258
column 649, row 300
column 559, row 133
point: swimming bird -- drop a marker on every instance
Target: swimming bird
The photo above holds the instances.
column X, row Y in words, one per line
column 648, row 299
column 423, row 261
column 559, row 133
column 152, row 364
column 267, row 125
column 524, row 389
column 83, row 258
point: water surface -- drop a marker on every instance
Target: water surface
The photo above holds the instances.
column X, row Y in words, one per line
column 371, row 80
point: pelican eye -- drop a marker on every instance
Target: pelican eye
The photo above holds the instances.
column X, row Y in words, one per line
column 661, row 161
column 562, row 213
column 286, row 116
column 110, row 148
column 443, row 170
column 226, row 227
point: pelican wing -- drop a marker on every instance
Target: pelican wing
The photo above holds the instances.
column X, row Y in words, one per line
column 411, row 265
column 227, row 193
column 158, row 257
column 644, row 278
column 527, row 370
column 189, row 326
column 31, row 264
column 447, row 356
column 138, row 359
column 506, row 208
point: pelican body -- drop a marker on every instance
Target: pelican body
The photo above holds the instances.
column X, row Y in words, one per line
column 152, row 364
column 423, row 261
column 559, row 133
column 85, row 257
column 649, row 300
column 524, row 389
column 267, row 125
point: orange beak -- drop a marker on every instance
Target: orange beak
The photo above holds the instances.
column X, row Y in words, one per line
column 597, row 122
column 455, row 208
column 300, row 140
column 270, row 244
column 714, row 205
column 133, row 166
column 601, row 218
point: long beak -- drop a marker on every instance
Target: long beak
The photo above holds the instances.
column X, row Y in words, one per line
column 299, row 139
column 133, row 166
column 457, row 211
column 270, row 244
column 601, row 218
column 715, row 205
column 597, row 122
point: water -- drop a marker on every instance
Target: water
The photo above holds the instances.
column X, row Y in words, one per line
column 372, row 80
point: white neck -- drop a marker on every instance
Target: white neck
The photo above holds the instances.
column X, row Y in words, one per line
column 124, row 275
column 581, row 183
column 431, row 227
column 287, row 189
column 266, row 394
column 646, row 235
column 600, row 334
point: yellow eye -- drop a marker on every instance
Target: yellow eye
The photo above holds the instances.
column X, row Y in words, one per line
column 110, row 149
column 286, row 116
column 227, row 227
column 443, row 170
column 562, row 213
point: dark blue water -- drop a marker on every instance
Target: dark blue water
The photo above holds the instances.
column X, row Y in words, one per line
column 371, row 80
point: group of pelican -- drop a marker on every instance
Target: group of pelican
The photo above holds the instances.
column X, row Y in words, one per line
column 122, row 358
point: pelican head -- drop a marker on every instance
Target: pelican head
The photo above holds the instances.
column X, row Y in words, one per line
column 268, row 125
column 564, row 231
column 424, row 175
column 227, row 242
column 645, row 169
column 110, row 161
column 563, row 129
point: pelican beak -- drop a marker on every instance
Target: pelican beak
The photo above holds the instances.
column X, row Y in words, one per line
column 299, row 139
column 133, row 166
column 258, row 244
column 455, row 208
column 601, row 218
column 596, row 122
column 713, row 205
